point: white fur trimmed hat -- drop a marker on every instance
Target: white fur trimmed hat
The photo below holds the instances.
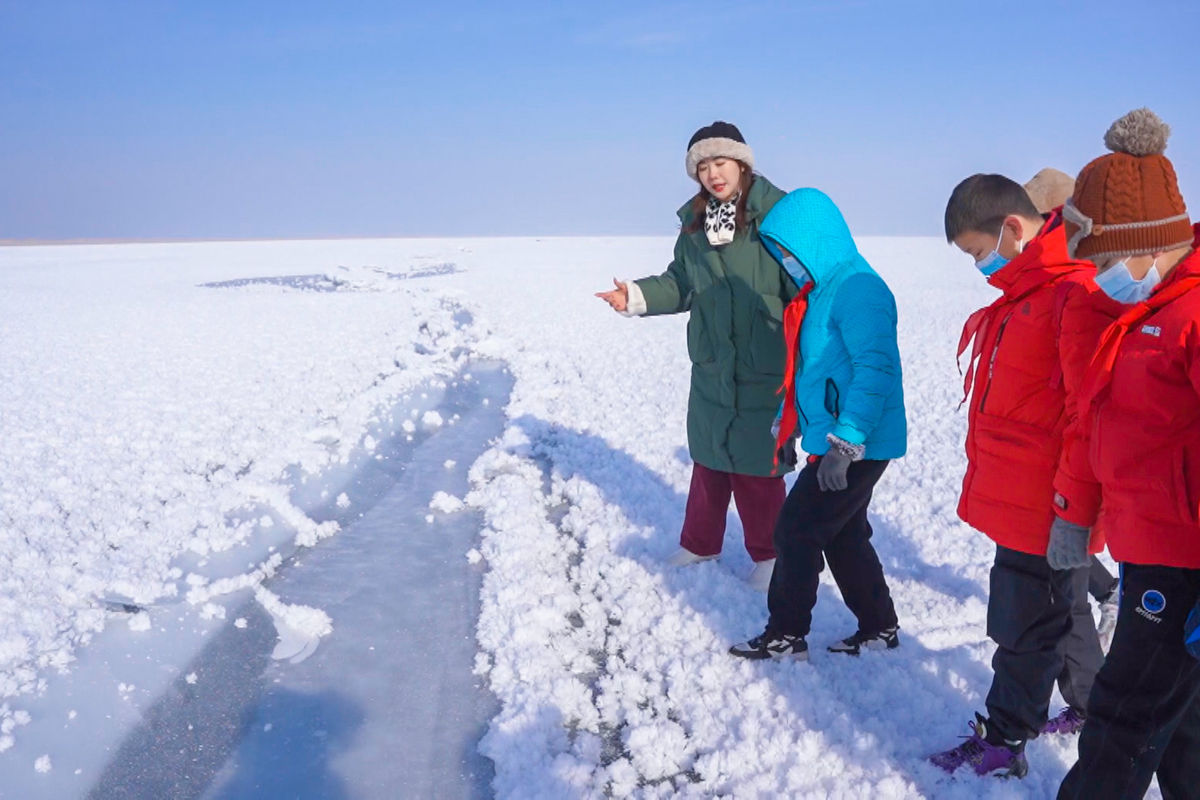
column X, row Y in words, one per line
column 721, row 139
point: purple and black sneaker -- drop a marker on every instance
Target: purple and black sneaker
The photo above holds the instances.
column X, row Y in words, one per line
column 1005, row 759
column 1068, row 721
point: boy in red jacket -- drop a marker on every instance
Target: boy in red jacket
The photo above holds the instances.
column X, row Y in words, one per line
column 1139, row 406
column 1023, row 371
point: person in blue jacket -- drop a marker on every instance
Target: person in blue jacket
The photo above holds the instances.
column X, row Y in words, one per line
column 844, row 394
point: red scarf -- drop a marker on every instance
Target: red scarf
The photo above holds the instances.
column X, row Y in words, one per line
column 976, row 329
column 1100, row 370
column 793, row 317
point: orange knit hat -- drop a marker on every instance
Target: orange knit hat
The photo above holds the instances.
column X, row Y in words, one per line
column 1127, row 203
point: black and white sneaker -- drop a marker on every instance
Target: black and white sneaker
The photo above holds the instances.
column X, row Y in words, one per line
column 888, row 639
column 770, row 644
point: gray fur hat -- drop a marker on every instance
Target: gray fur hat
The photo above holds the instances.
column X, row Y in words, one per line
column 721, row 139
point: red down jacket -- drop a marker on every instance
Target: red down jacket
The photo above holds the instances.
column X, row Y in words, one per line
column 1024, row 369
column 1140, row 406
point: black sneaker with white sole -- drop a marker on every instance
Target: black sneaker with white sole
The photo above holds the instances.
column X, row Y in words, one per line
column 771, row 644
column 887, row 639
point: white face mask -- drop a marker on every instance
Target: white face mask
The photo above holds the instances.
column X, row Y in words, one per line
column 1118, row 283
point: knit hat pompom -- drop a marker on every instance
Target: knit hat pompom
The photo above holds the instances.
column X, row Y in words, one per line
column 1139, row 133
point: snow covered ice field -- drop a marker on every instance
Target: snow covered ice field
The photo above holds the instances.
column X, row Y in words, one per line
column 318, row 467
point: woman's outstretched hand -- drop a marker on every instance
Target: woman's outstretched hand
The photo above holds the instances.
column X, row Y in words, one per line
column 618, row 298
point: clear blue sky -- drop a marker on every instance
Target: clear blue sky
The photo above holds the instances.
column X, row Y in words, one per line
column 216, row 118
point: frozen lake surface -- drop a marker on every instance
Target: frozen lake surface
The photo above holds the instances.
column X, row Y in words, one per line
column 386, row 706
column 396, row 512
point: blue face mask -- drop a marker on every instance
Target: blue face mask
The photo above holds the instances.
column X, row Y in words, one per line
column 1119, row 284
column 993, row 262
column 796, row 270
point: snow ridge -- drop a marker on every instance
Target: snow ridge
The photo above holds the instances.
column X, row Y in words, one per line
column 611, row 669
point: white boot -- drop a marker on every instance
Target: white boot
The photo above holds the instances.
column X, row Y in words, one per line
column 760, row 577
column 684, row 557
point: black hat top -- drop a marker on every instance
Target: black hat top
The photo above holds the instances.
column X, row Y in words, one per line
column 718, row 130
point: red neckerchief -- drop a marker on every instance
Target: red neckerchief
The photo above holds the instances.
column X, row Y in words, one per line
column 793, row 317
column 1100, row 370
column 1044, row 261
column 976, row 329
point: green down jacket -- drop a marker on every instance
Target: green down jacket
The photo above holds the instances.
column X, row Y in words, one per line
column 735, row 295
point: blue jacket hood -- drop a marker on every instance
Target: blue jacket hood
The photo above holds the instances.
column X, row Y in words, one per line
column 808, row 225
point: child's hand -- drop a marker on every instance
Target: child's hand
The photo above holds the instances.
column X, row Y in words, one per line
column 1068, row 546
column 831, row 471
column 618, row 298
column 787, row 453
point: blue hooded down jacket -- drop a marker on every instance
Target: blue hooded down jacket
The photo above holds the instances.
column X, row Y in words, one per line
column 848, row 378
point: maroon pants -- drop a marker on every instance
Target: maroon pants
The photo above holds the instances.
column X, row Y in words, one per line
column 758, row 503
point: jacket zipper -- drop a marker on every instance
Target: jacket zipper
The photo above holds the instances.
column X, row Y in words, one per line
column 992, row 360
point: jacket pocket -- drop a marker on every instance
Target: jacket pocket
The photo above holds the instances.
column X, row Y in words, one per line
column 833, row 399
column 1185, row 495
column 700, row 349
column 768, row 350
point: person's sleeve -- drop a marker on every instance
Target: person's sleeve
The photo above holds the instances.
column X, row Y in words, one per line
column 1077, row 492
column 668, row 293
column 1192, row 353
column 865, row 318
column 635, row 304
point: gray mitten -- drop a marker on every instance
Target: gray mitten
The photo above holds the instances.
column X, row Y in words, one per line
column 831, row 471
column 1068, row 547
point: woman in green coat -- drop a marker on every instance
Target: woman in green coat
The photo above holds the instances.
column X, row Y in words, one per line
column 735, row 293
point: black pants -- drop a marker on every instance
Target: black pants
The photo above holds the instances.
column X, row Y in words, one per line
column 816, row 526
column 1042, row 625
column 1101, row 582
column 1144, row 712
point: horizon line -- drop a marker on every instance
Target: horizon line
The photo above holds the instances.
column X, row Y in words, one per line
column 117, row 240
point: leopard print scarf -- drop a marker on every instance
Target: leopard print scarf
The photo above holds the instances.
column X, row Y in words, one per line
column 720, row 220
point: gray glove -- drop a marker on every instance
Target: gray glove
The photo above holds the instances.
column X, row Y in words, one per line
column 1068, row 547
column 831, row 471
